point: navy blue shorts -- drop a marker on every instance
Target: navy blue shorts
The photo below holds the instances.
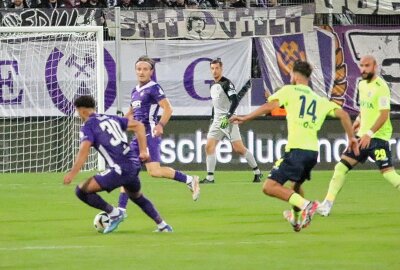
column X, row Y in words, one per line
column 378, row 150
column 153, row 146
column 112, row 178
column 295, row 166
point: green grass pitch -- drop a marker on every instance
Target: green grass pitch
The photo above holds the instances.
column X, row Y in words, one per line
column 233, row 226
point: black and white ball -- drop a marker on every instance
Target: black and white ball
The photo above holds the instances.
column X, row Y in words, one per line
column 101, row 221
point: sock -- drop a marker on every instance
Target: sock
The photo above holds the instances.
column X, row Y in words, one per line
column 148, row 208
column 123, row 200
column 211, row 161
column 337, row 181
column 93, row 200
column 393, row 178
column 162, row 224
column 250, row 159
column 298, row 201
column 189, row 179
column 180, row 177
column 114, row 212
column 256, row 171
column 210, row 176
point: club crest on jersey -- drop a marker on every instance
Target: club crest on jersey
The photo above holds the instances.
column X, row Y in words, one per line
column 136, row 104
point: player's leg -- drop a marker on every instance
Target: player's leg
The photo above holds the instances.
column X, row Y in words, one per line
column 211, row 160
column 123, row 201
column 295, row 166
column 133, row 190
column 107, row 180
column 87, row 192
column 381, row 154
column 214, row 135
column 347, row 162
column 155, row 169
column 294, row 216
column 238, row 147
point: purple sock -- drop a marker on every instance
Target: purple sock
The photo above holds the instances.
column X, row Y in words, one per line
column 93, row 200
column 123, row 200
column 180, row 176
column 148, row 208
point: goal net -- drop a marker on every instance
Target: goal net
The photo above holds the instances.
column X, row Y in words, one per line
column 42, row 71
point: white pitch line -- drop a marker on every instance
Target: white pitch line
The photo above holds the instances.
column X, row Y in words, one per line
column 47, row 248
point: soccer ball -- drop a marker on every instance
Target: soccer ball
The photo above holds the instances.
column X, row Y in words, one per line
column 101, row 221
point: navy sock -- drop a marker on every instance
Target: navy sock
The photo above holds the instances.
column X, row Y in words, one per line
column 93, row 200
column 148, row 208
column 123, row 200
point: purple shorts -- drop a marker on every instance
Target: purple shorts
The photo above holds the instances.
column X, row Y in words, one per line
column 111, row 179
column 153, row 147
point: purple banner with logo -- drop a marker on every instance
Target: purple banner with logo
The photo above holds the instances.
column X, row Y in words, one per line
column 335, row 54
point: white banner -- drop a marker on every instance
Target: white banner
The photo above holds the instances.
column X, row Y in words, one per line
column 388, row 7
column 212, row 24
column 182, row 69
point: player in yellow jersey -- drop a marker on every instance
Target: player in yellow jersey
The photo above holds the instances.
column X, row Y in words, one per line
column 374, row 130
column 306, row 112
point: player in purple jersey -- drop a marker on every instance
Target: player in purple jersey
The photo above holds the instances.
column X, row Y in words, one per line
column 146, row 99
column 107, row 135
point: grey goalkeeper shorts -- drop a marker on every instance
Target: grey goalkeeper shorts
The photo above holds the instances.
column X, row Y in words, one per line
column 232, row 132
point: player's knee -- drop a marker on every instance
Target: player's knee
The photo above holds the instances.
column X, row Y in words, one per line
column 267, row 188
column 240, row 150
column 343, row 167
column 210, row 149
column 80, row 193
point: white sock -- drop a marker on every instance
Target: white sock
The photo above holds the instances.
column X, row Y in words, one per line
column 211, row 161
column 189, row 179
column 256, row 171
column 114, row 212
column 210, row 177
column 250, row 159
column 162, row 224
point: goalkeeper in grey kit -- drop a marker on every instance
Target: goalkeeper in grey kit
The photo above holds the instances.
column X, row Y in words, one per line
column 225, row 100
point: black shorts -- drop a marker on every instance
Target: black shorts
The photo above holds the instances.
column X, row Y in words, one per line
column 378, row 150
column 295, row 165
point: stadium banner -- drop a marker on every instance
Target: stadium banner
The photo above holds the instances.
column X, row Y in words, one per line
column 183, row 145
column 380, row 42
column 51, row 17
column 212, row 24
column 384, row 7
column 182, row 69
column 335, row 54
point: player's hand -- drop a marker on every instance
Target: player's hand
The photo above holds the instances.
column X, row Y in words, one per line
column 158, row 130
column 144, row 156
column 353, row 146
column 224, row 122
column 68, row 178
column 237, row 119
column 365, row 141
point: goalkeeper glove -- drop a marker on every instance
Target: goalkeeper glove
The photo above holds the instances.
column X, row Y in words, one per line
column 225, row 121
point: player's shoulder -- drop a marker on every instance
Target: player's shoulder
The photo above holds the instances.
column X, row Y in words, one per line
column 226, row 83
column 380, row 83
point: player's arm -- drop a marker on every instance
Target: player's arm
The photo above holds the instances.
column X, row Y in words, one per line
column 230, row 91
column 262, row 110
column 80, row 159
column 140, row 134
column 382, row 118
column 129, row 113
column 356, row 124
column 348, row 127
column 166, row 115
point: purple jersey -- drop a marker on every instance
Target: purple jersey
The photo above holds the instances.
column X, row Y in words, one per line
column 144, row 102
column 107, row 135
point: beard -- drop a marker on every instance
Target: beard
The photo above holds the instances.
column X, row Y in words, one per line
column 367, row 76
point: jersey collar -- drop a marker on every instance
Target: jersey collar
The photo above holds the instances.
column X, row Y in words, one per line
column 149, row 84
